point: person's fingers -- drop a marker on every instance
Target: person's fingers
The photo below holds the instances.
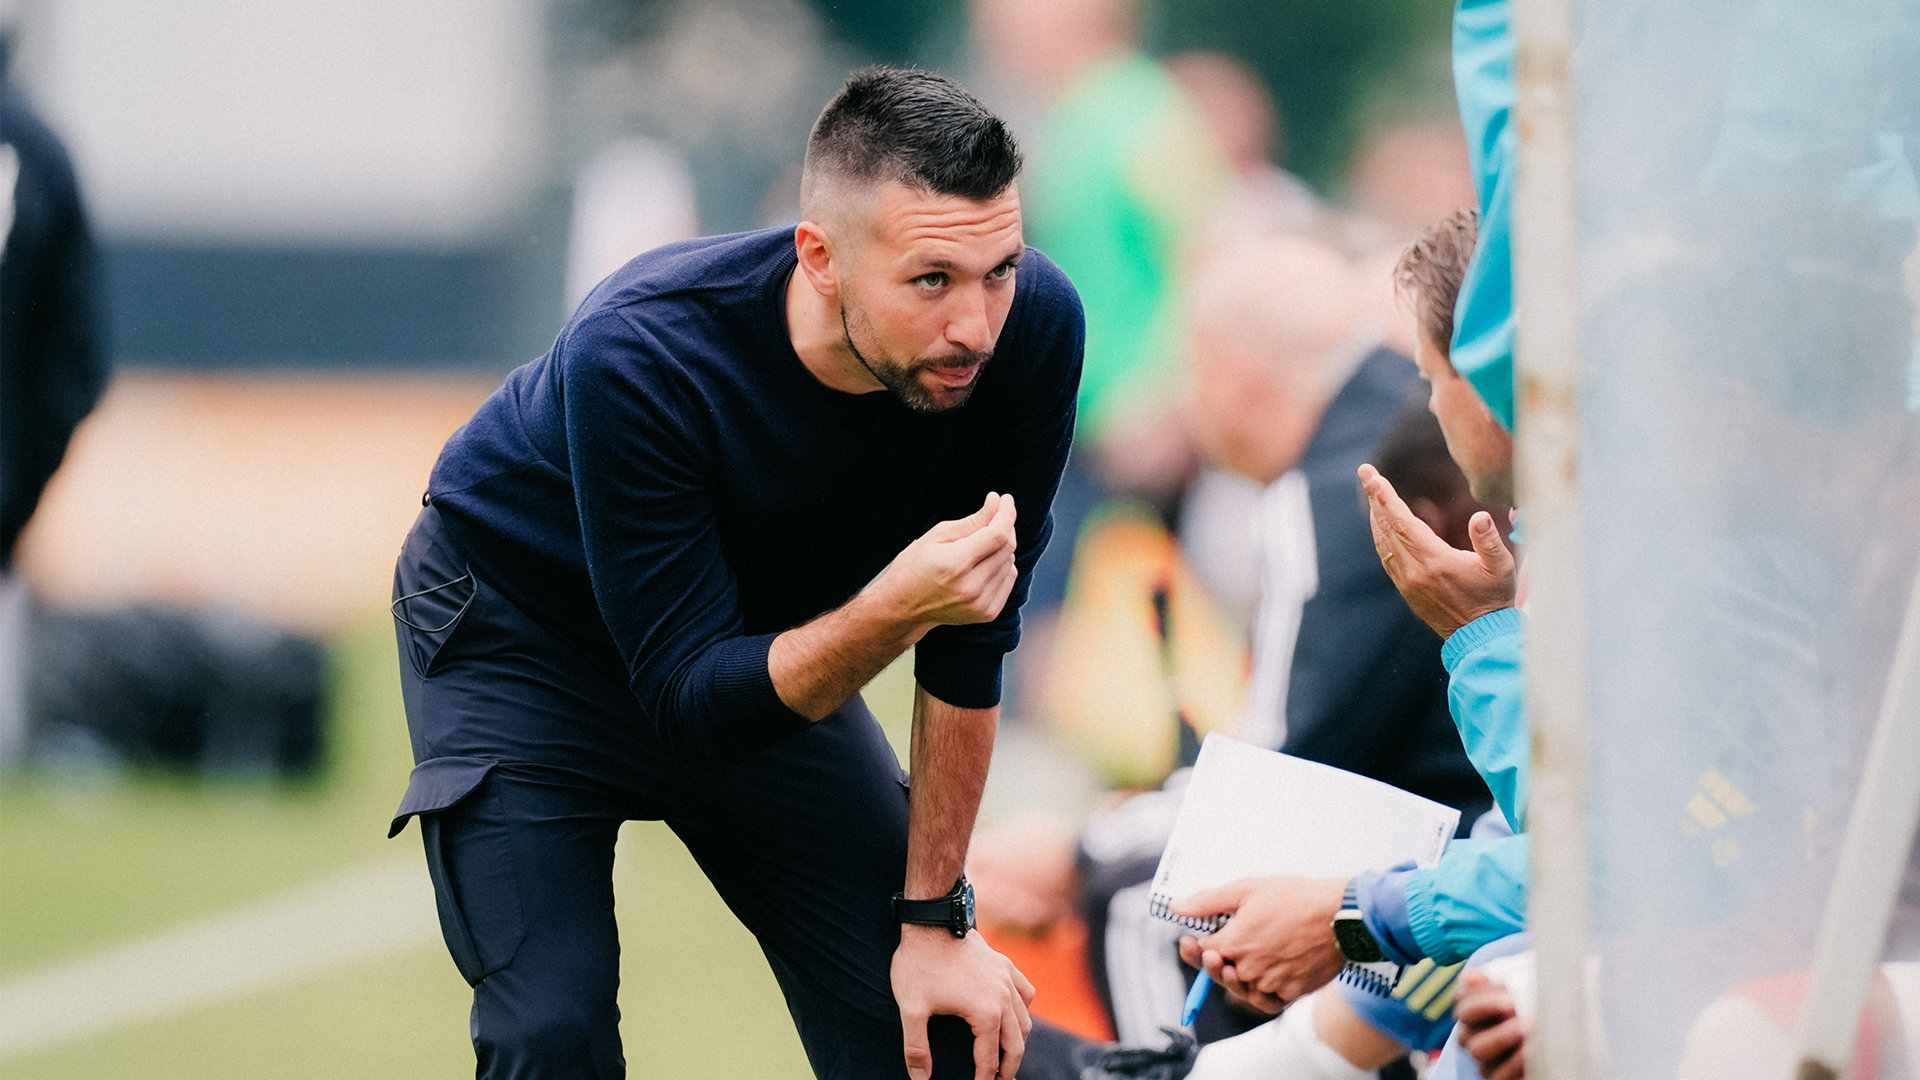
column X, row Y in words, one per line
column 1225, row 899
column 1500, row 1052
column 1514, row 1068
column 1013, row 1043
column 1021, row 984
column 1230, row 976
column 919, row 1054
column 1488, row 545
column 960, row 528
column 1000, row 522
column 994, row 538
column 1387, row 518
column 987, row 576
column 1213, row 964
column 1005, row 577
column 986, row 1045
column 1402, row 528
column 1491, row 1046
column 1190, row 951
column 1481, row 1003
column 1269, row 981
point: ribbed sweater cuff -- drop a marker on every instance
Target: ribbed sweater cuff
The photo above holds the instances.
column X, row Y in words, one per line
column 964, row 675
column 750, row 711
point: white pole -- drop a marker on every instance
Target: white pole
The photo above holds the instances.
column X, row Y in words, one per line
column 1547, row 459
column 1867, row 884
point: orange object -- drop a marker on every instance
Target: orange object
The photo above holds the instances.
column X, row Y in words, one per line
column 1108, row 694
column 1056, row 963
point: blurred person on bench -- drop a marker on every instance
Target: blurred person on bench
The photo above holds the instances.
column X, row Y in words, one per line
column 1292, row 389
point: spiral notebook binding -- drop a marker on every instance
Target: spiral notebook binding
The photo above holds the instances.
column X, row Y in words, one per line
column 1373, row 982
column 1162, row 908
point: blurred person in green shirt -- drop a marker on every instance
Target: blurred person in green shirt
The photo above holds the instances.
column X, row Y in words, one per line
column 1125, row 179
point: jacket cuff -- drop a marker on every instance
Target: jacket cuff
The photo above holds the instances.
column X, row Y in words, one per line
column 1382, row 896
column 749, row 708
column 962, row 674
column 1423, row 918
column 1489, row 627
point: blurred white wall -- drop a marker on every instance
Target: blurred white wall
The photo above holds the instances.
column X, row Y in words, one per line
column 634, row 195
column 345, row 122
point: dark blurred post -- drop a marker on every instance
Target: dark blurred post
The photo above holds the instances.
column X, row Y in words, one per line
column 52, row 365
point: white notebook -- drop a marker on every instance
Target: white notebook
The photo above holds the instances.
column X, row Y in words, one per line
column 1249, row 812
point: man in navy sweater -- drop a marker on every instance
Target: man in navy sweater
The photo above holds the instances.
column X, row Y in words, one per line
column 657, row 566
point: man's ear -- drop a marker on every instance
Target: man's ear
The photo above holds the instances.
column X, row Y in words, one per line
column 817, row 258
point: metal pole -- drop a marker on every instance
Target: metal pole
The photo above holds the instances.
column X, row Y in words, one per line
column 1547, row 460
column 1867, row 884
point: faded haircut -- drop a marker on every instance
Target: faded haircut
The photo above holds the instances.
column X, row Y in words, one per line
column 1430, row 271
column 910, row 126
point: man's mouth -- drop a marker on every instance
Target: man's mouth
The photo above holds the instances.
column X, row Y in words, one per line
column 954, row 377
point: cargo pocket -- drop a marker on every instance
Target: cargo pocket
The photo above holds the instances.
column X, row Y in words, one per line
column 429, row 617
column 464, row 826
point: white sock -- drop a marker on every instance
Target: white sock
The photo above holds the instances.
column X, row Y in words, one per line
column 1282, row 1049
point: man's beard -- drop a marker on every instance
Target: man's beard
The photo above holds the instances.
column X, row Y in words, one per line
column 903, row 379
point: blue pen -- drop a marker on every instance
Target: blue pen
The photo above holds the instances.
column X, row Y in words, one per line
column 1196, row 997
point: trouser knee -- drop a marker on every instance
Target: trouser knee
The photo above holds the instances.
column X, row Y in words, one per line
column 557, row 1035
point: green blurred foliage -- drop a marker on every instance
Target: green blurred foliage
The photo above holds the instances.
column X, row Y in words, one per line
column 1325, row 60
column 1321, row 58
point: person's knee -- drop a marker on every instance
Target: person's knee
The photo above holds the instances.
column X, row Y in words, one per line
column 560, row 1034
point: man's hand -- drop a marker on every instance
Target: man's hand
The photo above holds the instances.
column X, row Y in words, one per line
column 959, row 572
column 937, row 974
column 1279, row 944
column 1448, row 588
column 1490, row 1028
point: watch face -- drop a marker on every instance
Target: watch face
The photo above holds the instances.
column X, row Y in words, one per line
column 1355, row 943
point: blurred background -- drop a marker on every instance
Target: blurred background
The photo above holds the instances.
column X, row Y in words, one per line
column 322, row 233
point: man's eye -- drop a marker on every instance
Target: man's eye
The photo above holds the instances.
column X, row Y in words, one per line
column 931, row 281
column 1002, row 272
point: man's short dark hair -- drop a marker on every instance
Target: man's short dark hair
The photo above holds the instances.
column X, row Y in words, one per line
column 914, row 127
column 1430, row 271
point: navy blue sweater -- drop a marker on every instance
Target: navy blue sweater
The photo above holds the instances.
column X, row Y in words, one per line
column 669, row 488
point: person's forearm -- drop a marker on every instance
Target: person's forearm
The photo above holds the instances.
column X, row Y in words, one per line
column 818, row 665
column 951, row 748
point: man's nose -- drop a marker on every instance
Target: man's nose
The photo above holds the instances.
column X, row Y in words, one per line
column 967, row 324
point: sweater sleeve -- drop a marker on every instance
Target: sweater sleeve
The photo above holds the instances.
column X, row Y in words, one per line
column 960, row 665
column 653, row 549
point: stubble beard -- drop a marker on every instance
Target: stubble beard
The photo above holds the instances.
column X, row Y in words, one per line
column 903, row 380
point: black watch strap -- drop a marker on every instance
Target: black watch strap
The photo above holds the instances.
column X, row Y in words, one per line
column 954, row 911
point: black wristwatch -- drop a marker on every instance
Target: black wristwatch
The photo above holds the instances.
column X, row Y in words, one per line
column 1350, row 932
column 953, row 911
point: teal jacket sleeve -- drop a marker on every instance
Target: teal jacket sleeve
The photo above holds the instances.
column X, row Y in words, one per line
column 1478, row 894
column 1484, row 692
column 1482, row 346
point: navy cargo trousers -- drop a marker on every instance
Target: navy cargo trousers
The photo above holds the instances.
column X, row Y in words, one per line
column 528, row 757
